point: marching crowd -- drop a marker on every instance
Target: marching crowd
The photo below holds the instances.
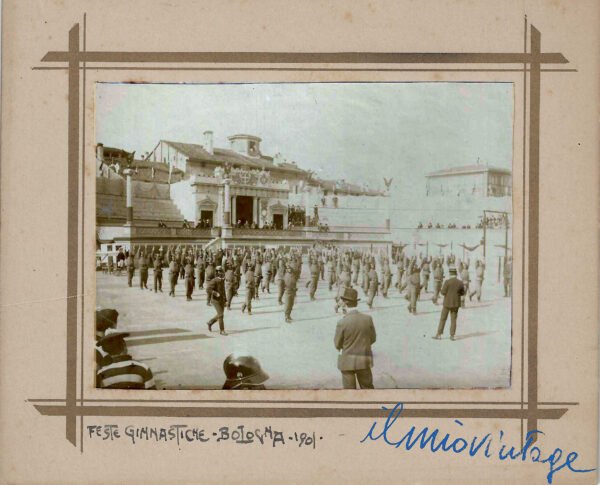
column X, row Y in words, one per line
column 222, row 272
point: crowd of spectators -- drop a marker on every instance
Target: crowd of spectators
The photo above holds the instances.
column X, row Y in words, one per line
column 296, row 216
column 200, row 224
column 204, row 224
column 240, row 224
column 437, row 225
column 296, row 220
column 491, row 222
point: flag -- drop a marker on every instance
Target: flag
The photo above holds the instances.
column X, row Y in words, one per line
column 469, row 248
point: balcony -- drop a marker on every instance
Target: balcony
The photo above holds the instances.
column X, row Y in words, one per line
column 176, row 232
column 311, row 233
column 268, row 233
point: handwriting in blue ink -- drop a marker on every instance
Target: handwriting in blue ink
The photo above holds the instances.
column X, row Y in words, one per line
column 434, row 440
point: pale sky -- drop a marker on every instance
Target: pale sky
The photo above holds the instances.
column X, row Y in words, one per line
column 358, row 131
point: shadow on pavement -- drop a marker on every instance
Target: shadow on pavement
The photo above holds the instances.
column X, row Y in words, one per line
column 474, row 334
column 232, row 332
column 162, row 340
column 157, row 331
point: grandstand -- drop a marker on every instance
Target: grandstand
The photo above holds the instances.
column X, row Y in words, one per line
column 152, row 203
column 241, row 196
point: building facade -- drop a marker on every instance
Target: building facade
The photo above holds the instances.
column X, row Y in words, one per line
column 242, row 184
column 472, row 180
column 226, row 192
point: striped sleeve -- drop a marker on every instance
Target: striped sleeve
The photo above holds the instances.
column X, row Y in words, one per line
column 128, row 374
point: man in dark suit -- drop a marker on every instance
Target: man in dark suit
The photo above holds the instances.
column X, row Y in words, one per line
column 373, row 287
column 189, row 279
column 250, row 289
column 130, row 263
column 229, row 284
column 425, row 271
column 216, row 291
column 452, row 290
column 279, row 278
column 200, row 267
column 290, row 281
column 414, row 289
column 157, row 265
column 173, row 275
column 438, row 278
column 143, row 265
column 314, row 276
column 354, row 335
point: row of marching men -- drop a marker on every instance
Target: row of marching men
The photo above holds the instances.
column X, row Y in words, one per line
column 220, row 273
column 413, row 275
column 262, row 268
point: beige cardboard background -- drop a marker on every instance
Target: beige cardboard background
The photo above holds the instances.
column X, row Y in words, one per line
column 34, row 229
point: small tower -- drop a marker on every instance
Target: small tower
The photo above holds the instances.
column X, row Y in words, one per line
column 248, row 145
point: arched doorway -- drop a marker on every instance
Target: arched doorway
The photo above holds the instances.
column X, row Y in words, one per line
column 244, row 209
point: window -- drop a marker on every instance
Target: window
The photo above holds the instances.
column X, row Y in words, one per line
column 252, row 148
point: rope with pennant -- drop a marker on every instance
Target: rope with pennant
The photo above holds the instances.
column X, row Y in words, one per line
column 469, row 248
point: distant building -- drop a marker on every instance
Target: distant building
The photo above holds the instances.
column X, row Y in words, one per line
column 261, row 187
column 224, row 194
column 472, row 180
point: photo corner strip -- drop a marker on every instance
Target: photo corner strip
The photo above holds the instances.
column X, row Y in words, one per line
column 272, row 237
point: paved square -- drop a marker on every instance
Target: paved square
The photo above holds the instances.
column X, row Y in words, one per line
column 170, row 335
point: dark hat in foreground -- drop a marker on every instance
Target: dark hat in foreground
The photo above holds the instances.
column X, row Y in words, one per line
column 243, row 370
column 111, row 336
column 350, row 294
column 106, row 318
column 452, row 269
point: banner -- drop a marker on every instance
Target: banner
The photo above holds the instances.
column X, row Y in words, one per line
column 469, row 248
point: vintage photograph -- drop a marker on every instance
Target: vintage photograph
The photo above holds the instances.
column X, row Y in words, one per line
column 304, row 235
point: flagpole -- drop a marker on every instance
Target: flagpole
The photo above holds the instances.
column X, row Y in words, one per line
column 505, row 236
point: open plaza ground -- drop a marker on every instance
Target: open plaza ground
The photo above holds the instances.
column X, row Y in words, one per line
column 170, row 335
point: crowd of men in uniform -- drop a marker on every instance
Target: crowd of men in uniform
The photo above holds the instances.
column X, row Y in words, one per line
column 221, row 273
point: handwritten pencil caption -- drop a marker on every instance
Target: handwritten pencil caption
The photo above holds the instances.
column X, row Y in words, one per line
column 183, row 434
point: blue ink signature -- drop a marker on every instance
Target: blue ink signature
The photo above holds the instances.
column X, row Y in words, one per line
column 435, row 441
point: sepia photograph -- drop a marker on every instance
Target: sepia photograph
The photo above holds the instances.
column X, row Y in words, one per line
column 304, row 235
column 324, row 239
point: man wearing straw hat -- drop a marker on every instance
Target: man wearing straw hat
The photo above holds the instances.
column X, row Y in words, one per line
column 354, row 335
